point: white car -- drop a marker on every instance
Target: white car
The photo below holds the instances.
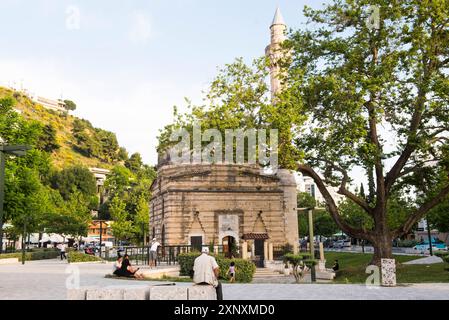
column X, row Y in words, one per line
column 340, row 244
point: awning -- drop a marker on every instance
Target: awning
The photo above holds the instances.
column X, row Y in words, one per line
column 255, row 236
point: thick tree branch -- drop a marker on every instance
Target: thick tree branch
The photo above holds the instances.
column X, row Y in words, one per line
column 345, row 192
column 419, row 214
column 357, row 233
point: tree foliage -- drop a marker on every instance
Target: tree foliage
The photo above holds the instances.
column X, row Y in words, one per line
column 360, row 86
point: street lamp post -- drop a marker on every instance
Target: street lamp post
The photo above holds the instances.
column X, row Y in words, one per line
column 311, row 241
column 15, row 150
column 312, row 244
column 101, row 235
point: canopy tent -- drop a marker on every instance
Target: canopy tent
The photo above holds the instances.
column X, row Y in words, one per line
column 90, row 239
column 53, row 238
column 340, row 234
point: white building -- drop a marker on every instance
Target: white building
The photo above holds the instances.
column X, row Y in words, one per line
column 56, row 105
column 306, row 184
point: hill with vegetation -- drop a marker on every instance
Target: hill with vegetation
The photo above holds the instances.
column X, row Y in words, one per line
column 51, row 189
column 76, row 141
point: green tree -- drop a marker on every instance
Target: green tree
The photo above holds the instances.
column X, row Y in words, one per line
column 438, row 217
column 72, row 217
column 238, row 98
column 142, row 218
column 352, row 78
column 47, row 140
column 122, row 227
column 134, row 163
column 70, row 105
column 72, row 179
column 119, row 180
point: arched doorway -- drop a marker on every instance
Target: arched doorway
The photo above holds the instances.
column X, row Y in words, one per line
column 229, row 246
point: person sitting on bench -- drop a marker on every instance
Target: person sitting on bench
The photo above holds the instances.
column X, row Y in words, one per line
column 206, row 272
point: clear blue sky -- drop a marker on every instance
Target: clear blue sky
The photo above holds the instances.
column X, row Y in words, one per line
column 126, row 63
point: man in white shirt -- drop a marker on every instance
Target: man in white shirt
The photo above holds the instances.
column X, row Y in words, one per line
column 206, row 271
column 153, row 252
column 62, row 251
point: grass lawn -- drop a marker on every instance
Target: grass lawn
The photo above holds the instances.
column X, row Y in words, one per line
column 353, row 266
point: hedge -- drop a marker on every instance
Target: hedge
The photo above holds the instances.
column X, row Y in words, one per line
column 34, row 254
column 244, row 269
column 407, row 243
column 75, row 256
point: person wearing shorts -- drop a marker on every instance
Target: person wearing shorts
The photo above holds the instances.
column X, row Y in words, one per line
column 153, row 252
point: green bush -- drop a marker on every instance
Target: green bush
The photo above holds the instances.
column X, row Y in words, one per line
column 446, row 258
column 186, row 261
column 244, row 269
column 75, row 256
column 441, row 254
column 33, row 255
column 407, row 243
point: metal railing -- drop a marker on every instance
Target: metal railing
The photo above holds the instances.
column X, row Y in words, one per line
column 165, row 254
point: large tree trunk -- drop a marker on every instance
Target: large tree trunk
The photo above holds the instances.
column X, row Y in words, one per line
column 383, row 248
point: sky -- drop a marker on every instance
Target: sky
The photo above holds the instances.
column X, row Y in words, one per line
column 127, row 63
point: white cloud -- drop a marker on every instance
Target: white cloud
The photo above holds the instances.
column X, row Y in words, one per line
column 141, row 29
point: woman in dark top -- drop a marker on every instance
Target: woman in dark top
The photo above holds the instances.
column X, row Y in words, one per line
column 126, row 270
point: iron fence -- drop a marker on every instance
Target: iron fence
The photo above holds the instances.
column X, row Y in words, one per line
column 165, row 254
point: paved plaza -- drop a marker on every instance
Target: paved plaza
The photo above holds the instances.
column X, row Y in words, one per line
column 47, row 280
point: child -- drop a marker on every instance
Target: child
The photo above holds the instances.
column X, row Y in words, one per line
column 231, row 271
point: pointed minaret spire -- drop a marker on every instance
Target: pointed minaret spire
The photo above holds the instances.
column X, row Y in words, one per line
column 278, row 19
column 274, row 52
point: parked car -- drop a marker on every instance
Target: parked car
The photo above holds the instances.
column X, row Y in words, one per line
column 436, row 245
column 340, row 244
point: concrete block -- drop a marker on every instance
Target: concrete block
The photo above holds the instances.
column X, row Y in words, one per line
column 136, row 293
column 76, row 294
column 9, row 261
column 325, row 275
column 202, row 293
column 168, row 293
column 104, row 294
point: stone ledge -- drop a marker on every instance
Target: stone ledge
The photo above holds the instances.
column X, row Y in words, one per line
column 168, row 293
column 9, row 261
column 163, row 292
column 202, row 293
column 105, row 294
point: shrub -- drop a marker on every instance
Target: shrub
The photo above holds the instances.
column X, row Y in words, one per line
column 446, row 258
column 186, row 261
column 301, row 264
column 407, row 243
column 75, row 256
column 244, row 268
column 33, row 254
column 441, row 254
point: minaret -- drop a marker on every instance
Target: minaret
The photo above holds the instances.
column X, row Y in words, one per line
column 273, row 51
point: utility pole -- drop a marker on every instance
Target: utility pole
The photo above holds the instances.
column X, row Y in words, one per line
column 430, row 237
column 23, row 239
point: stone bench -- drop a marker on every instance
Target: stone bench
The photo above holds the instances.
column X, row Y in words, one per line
column 164, row 292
